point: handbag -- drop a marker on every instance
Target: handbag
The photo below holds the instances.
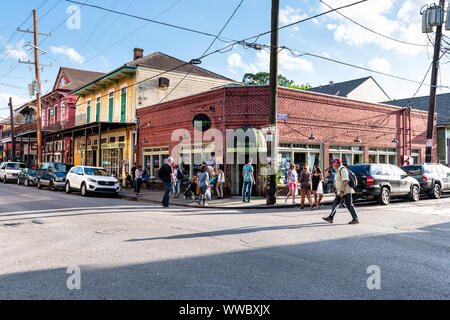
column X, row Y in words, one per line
column 320, row 188
column 208, row 194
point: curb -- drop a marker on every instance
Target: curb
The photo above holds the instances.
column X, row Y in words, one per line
column 175, row 204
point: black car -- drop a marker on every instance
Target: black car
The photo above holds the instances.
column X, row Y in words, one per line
column 434, row 178
column 27, row 177
column 382, row 181
column 52, row 175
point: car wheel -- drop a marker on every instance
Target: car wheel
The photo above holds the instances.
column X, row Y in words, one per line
column 385, row 196
column 414, row 194
column 39, row 185
column 436, row 191
column 51, row 186
column 83, row 190
column 68, row 187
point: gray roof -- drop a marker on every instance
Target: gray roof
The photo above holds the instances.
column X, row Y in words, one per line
column 78, row 77
column 163, row 61
column 422, row 103
column 341, row 89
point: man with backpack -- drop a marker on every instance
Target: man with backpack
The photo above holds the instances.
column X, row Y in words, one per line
column 165, row 173
column 345, row 181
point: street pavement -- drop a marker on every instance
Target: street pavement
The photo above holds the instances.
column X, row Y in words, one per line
column 135, row 250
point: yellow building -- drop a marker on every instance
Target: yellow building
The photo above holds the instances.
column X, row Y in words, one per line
column 106, row 126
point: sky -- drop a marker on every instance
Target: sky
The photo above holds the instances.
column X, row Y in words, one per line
column 103, row 41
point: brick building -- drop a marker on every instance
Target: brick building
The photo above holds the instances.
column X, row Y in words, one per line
column 313, row 129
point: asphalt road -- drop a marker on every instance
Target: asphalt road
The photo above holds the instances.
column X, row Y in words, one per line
column 131, row 250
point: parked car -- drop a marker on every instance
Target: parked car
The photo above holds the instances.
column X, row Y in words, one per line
column 9, row 171
column 434, row 178
column 27, row 177
column 91, row 180
column 382, row 182
column 52, row 175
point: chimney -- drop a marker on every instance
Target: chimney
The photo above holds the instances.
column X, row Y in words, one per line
column 138, row 53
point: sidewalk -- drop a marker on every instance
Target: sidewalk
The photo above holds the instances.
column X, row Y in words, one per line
column 234, row 202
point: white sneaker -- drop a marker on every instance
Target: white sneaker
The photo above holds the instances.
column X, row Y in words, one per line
column 285, row 200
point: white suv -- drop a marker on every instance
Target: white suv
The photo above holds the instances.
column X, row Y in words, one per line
column 91, row 180
column 10, row 171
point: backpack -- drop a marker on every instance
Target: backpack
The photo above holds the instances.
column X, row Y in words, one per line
column 161, row 172
column 179, row 175
column 353, row 181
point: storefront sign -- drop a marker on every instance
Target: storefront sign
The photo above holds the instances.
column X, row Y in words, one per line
column 202, row 121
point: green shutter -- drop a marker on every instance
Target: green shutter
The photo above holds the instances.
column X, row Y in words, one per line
column 88, row 114
column 123, row 107
column 111, row 110
column 97, row 115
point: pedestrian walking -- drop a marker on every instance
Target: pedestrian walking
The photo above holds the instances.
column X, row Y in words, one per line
column 293, row 183
column 305, row 186
column 165, row 173
column 317, row 186
column 343, row 193
column 249, row 180
column 178, row 175
column 220, row 182
column 203, row 184
column 133, row 177
column 138, row 174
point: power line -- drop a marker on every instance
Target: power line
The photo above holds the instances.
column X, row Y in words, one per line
column 355, row 66
column 133, row 32
column 373, row 31
column 207, row 49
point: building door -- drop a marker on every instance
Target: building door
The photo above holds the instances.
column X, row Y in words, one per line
column 300, row 158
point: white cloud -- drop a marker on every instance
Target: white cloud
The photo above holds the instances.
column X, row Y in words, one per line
column 381, row 65
column 16, row 51
column 405, row 25
column 4, row 100
column 289, row 15
column 235, row 62
column 69, row 52
column 286, row 62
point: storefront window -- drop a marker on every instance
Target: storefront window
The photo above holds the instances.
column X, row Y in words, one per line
column 383, row 155
column 415, row 154
column 348, row 154
column 372, row 158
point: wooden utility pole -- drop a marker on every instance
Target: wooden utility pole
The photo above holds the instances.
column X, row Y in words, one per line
column 272, row 175
column 38, row 82
column 13, row 139
column 38, row 91
column 432, row 102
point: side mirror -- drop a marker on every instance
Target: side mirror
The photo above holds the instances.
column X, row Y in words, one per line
column 403, row 176
column 80, row 173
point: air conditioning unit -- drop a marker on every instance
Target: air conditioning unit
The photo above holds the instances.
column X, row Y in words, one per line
column 435, row 16
column 163, row 83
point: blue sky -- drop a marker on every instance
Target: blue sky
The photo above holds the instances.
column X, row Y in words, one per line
column 331, row 36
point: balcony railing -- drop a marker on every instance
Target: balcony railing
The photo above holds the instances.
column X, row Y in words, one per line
column 60, row 125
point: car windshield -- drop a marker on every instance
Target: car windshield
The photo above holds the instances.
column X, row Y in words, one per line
column 413, row 170
column 15, row 166
column 360, row 170
column 96, row 172
column 61, row 168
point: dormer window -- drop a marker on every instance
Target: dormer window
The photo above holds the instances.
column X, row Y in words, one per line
column 62, row 82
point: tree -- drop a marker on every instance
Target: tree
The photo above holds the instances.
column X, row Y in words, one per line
column 263, row 78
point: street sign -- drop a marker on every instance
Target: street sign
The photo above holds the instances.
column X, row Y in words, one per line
column 282, row 116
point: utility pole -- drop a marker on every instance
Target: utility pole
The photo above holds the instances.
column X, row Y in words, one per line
column 271, row 198
column 38, row 83
column 432, row 102
column 13, row 139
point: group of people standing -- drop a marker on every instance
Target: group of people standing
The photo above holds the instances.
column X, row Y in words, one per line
column 307, row 183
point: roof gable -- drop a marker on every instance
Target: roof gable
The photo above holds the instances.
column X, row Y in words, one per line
column 70, row 79
column 163, row 61
column 341, row 89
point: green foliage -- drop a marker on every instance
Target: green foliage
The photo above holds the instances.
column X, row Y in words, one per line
column 263, row 78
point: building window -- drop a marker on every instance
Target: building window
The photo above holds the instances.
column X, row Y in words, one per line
column 112, row 139
column 122, row 139
column 97, row 110
column 349, row 155
column 383, row 155
column 55, row 114
column 63, row 111
column 299, row 154
column 88, row 112
column 123, row 104
column 111, row 107
column 415, row 154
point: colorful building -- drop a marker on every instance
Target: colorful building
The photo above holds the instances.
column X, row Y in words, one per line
column 105, row 130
